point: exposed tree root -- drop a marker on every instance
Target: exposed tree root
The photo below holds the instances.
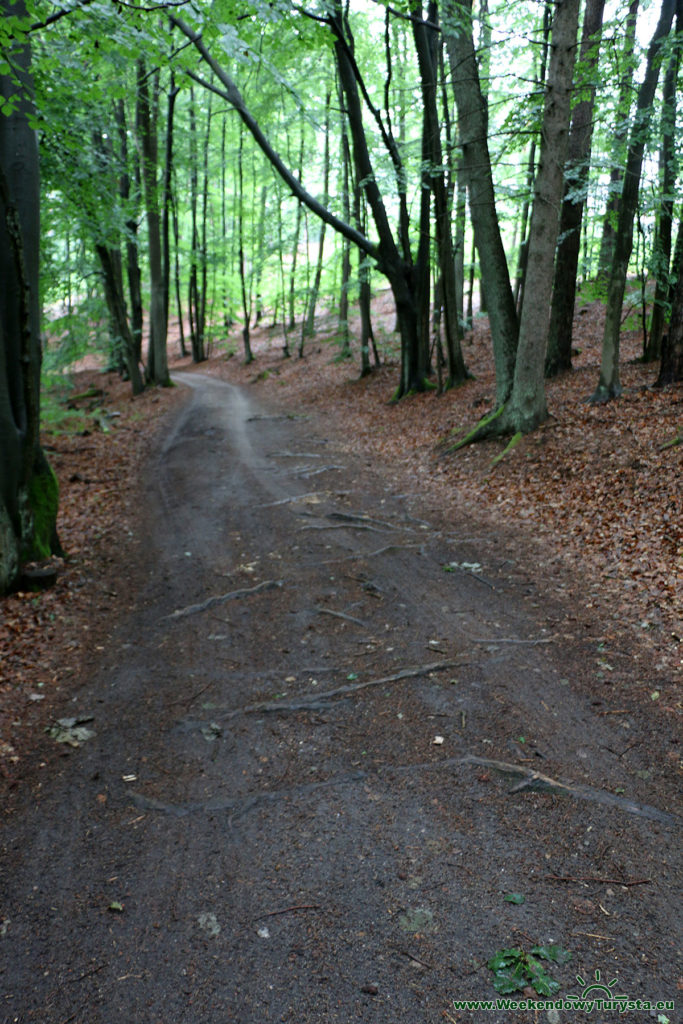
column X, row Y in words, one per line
column 305, row 474
column 512, row 443
column 359, row 517
column 535, row 781
column 314, row 701
column 484, row 430
column 233, row 595
column 341, row 615
column 341, row 526
column 530, row 780
column 507, row 640
column 672, row 443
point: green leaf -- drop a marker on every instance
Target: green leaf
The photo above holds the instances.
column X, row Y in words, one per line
column 554, row 953
column 515, row 897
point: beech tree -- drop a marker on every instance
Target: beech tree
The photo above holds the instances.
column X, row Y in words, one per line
column 28, row 487
column 609, row 384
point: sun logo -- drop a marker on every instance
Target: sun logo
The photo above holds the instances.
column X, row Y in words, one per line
column 597, row 988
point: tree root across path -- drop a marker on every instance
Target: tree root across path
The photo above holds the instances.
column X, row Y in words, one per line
column 232, row 595
column 530, row 781
column 312, row 701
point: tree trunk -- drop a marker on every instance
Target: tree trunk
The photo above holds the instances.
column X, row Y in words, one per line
column 308, row 324
column 297, row 235
column 245, row 288
column 176, row 254
column 526, row 408
column 122, row 338
column 667, row 177
column 157, row 359
column 473, row 136
column 559, row 357
column 166, row 196
column 131, row 205
column 622, row 113
column 28, row 487
column 426, row 41
column 609, row 385
column 671, row 368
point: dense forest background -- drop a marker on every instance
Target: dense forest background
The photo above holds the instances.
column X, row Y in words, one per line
column 248, row 163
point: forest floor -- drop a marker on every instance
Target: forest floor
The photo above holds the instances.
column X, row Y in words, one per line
column 562, row 563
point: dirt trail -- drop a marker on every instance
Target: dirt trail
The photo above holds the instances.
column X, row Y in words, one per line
column 331, row 735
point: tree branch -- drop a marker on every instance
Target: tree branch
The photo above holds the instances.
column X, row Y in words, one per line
column 234, row 97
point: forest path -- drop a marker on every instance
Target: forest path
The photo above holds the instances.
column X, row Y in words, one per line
column 321, row 761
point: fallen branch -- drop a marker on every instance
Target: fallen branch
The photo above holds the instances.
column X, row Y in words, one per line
column 233, row 595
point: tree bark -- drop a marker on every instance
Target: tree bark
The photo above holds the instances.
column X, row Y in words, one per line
column 28, row 487
column 526, row 408
column 559, row 357
column 147, row 116
column 620, row 137
column 609, row 384
column 667, row 177
column 132, row 250
column 473, row 138
column 671, row 367
column 425, row 44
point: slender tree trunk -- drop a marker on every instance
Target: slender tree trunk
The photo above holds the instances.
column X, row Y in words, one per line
column 246, row 290
column 203, row 249
column 559, row 357
column 609, row 384
column 225, row 297
column 426, row 41
column 667, row 177
column 131, row 204
column 148, row 108
column 622, row 113
column 176, row 253
column 308, row 323
column 343, row 334
column 166, row 197
column 295, row 244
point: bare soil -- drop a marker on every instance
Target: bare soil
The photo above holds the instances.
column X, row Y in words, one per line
column 342, row 706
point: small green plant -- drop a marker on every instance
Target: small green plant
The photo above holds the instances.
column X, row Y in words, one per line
column 514, row 970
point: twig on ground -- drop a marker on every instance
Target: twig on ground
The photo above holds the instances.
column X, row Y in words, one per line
column 288, row 910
